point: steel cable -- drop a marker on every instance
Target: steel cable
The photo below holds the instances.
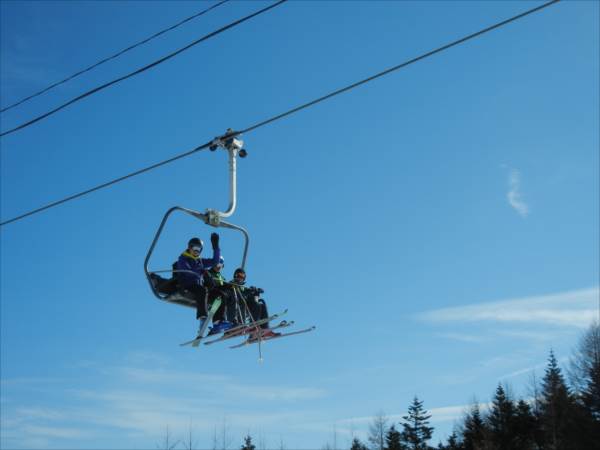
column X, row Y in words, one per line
column 143, row 69
column 109, row 58
column 291, row 111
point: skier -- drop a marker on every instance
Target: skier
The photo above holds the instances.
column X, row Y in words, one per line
column 256, row 305
column 214, row 281
column 190, row 268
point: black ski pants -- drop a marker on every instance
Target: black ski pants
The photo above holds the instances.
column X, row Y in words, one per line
column 198, row 294
column 258, row 310
column 227, row 309
column 204, row 298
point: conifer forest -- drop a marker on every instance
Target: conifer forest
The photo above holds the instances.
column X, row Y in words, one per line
column 561, row 411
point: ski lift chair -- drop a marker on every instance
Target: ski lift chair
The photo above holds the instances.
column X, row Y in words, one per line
column 167, row 289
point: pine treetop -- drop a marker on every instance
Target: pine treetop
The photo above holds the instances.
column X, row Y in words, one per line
column 416, row 431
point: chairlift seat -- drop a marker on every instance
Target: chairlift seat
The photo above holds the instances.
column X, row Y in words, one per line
column 167, row 290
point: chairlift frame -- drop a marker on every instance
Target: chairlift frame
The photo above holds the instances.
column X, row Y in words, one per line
column 211, row 217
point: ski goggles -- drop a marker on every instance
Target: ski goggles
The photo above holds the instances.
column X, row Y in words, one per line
column 197, row 249
column 240, row 276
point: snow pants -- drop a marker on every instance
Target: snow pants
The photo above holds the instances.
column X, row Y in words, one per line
column 258, row 310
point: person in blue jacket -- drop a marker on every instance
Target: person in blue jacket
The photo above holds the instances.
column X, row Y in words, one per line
column 189, row 269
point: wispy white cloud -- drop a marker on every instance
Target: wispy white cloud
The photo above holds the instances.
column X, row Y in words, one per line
column 438, row 415
column 139, row 400
column 572, row 309
column 38, row 431
column 515, row 199
column 531, row 369
column 539, row 336
column 462, row 337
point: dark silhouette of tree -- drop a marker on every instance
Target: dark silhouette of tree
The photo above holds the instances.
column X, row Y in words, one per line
column 590, row 396
column 416, row 431
column 501, row 420
column 525, row 426
column 585, row 377
column 556, row 408
column 393, row 439
column 248, row 445
column 473, row 429
column 358, row 445
column 453, row 443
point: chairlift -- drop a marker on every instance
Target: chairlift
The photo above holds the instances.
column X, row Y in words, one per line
column 234, row 147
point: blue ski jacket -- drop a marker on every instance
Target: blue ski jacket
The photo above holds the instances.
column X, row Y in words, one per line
column 189, row 262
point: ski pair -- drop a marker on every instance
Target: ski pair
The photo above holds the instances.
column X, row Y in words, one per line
column 239, row 330
column 211, row 313
column 243, row 331
column 245, row 328
column 264, row 339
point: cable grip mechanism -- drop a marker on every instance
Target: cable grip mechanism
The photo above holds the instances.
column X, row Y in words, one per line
column 230, row 142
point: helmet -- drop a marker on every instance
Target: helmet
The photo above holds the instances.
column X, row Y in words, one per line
column 240, row 271
column 196, row 242
column 220, row 263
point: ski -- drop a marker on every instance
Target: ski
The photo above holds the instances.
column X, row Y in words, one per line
column 265, row 339
column 211, row 312
column 247, row 330
column 243, row 329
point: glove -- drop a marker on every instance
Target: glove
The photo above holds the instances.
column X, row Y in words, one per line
column 214, row 240
column 255, row 291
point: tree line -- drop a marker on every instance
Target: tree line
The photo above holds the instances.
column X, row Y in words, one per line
column 562, row 413
column 559, row 415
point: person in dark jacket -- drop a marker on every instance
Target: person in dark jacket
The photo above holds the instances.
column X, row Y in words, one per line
column 256, row 306
column 189, row 269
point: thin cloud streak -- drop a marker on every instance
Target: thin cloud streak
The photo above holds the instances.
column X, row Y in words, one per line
column 569, row 309
column 142, row 400
column 515, row 199
column 438, row 415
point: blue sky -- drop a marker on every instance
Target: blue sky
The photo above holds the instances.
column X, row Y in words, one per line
column 439, row 226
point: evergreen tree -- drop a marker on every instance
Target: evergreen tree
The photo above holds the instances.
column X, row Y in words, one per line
column 590, row 409
column 556, row 409
column 393, row 439
column 591, row 393
column 453, row 443
column 358, row 445
column 585, row 378
column 501, row 420
column 585, row 371
column 525, row 427
column 248, row 445
column 473, row 429
column 416, row 431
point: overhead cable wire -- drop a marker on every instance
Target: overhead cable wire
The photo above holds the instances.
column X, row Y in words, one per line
column 289, row 112
column 398, row 67
column 116, row 55
column 109, row 183
column 143, row 69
